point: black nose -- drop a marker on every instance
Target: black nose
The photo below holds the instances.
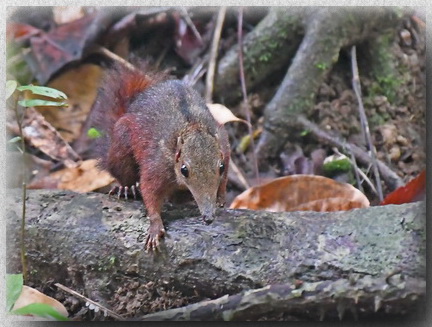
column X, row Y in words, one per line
column 208, row 219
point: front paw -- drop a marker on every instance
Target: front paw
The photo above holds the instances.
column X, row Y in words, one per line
column 126, row 191
column 155, row 233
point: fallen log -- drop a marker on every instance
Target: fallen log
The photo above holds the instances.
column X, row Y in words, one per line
column 94, row 245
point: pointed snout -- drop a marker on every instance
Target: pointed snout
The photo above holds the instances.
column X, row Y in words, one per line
column 208, row 216
column 207, row 208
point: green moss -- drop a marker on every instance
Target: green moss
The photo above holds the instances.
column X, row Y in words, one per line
column 399, row 11
column 300, row 104
column 389, row 76
column 273, row 44
column 283, row 34
column 322, row 66
column 106, row 264
column 337, row 166
column 378, row 119
column 264, row 45
column 112, row 260
column 265, row 57
column 387, row 86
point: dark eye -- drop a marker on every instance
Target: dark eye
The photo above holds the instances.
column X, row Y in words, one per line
column 184, row 170
column 221, row 168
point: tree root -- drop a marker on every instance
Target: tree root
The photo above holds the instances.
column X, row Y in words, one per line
column 322, row 300
column 328, row 30
column 267, row 49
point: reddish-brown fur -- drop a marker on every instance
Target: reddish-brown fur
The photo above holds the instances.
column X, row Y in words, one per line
column 153, row 128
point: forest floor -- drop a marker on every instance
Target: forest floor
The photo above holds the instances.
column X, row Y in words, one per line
column 398, row 130
column 398, row 127
column 398, row 133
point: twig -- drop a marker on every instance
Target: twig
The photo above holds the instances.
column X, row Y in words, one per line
column 104, row 51
column 197, row 71
column 368, row 181
column 358, row 172
column 240, row 180
column 82, row 297
column 23, row 248
column 364, row 122
column 243, row 87
column 191, row 25
column 24, row 193
column 213, row 54
column 390, row 177
column 161, row 56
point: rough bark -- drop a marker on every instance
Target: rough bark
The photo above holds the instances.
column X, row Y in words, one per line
column 94, row 244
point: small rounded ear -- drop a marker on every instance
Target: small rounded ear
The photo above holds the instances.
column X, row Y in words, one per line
column 178, row 149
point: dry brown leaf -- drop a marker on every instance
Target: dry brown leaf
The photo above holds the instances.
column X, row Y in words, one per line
column 86, row 177
column 222, row 114
column 330, row 204
column 80, row 85
column 300, row 193
column 30, row 295
column 40, row 134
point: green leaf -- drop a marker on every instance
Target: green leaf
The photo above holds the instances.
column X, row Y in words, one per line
column 43, row 90
column 39, row 102
column 304, row 132
column 10, row 88
column 93, row 133
column 41, row 310
column 15, row 139
column 14, row 284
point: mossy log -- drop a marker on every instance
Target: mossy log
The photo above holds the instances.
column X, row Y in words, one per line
column 94, row 244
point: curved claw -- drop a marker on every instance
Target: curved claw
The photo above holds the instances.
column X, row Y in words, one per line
column 125, row 191
column 115, row 189
column 155, row 234
column 133, row 191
